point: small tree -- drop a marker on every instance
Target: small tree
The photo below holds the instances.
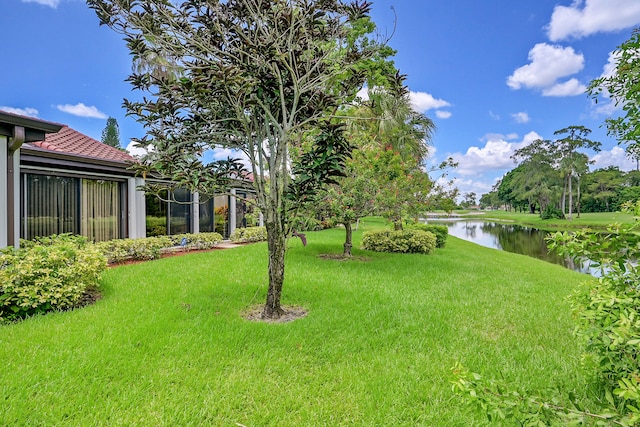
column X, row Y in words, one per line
column 262, row 77
column 111, row 133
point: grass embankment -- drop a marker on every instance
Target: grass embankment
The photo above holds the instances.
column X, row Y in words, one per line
column 597, row 220
column 167, row 344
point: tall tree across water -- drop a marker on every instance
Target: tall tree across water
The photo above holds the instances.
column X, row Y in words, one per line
column 262, row 77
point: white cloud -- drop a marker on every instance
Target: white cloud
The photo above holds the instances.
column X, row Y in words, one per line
column 50, row 3
column 137, row 151
column 607, row 106
column 495, row 155
column 548, row 63
column 224, row 153
column 571, row 87
column 470, row 185
column 29, row 112
column 521, row 117
column 614, row 157
column 586, row 17
column 494, row 116
column 423, row 101
column 82, row 110
column 610, row 67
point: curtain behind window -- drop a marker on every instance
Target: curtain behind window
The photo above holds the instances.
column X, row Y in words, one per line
column 52, row 205
column 100, row 210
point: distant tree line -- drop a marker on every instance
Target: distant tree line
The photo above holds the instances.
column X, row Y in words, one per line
column 553, row 178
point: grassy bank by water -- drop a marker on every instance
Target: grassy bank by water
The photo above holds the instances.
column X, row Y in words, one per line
column 167, row 345
column 598, row 220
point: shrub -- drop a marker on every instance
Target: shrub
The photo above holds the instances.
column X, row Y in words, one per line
column 249, row 234
column 440, row 231
column 401, row 241
column 197, row 241
column 50, row 274
column 147, row 248
column 551, row 213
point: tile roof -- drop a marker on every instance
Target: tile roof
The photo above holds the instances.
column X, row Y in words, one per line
column 71, row 141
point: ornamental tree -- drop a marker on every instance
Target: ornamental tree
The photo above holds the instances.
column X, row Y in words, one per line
column 261, row 77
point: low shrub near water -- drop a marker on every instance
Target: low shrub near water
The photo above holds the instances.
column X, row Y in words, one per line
column 440, row 231
column 49, row 273
column 249, row 234
column 399, row 241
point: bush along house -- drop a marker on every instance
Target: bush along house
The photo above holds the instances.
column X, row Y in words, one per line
column 54, row 179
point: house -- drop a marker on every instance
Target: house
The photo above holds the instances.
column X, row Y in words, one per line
column 54, row 179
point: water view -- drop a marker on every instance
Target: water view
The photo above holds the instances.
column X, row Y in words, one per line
column 508, row 237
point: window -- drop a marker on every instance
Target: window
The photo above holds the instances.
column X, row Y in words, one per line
column 62, row 204
column 52, row 206
column 100, row 210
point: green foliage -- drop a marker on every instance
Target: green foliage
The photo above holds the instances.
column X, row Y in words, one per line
column 249, row 234
column 440, row 231
column 503, row 406
column 148, row 248
column 111, row 133
column 399, row 241
column 551, row 212
column 49, row 274
column 621, row 86
column 197, row 241
column 608, row 322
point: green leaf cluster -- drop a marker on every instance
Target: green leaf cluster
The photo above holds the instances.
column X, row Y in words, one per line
column 148, row 248
column 399, row 241
column 607, row 311
column 440, row 231
column 249, row 234
column 49, row 274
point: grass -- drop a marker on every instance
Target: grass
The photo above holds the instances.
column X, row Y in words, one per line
column 167, row 344
column 596, row 220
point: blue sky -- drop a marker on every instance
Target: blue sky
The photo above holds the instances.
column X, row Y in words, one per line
column 493, row 75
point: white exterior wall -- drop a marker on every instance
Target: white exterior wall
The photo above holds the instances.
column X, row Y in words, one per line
column 232, row 212
column 137, row 209
column 195, row 213
column 16, row 199
column 4, row 203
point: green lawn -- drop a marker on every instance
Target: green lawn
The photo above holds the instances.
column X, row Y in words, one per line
column 167, row 344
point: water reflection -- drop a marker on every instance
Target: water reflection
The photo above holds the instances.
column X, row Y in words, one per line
column 510, row 238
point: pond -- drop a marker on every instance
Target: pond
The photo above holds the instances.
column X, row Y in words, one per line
column 509, row 237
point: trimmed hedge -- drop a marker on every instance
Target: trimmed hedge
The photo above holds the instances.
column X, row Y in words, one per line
column 148, row 248
column 441, row 232
column 51, row 273
column 399, row 241
column 249, row 234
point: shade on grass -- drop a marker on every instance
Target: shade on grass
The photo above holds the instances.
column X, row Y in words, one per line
column 167, row 344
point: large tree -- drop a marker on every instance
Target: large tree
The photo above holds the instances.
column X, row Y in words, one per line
column 571, row 163
column 262, row 77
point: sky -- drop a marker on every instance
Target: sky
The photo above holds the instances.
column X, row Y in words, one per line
column 493, row 75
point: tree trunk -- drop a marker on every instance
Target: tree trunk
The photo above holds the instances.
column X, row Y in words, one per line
column 348, row 238
column 570, row 197
column 578, row 199
column 277, row 243
column 397, row 225
column 564, row 197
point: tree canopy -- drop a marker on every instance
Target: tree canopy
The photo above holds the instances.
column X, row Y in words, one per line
column 265, row 78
